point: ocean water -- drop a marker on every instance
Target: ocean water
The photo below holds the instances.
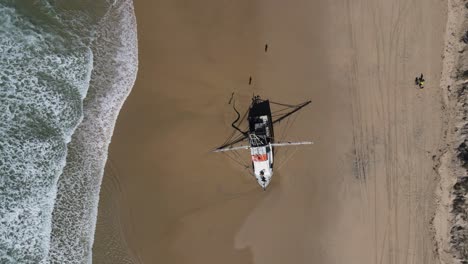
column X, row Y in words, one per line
column 66, row 68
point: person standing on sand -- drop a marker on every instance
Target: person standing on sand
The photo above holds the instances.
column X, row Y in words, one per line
column 420, row 81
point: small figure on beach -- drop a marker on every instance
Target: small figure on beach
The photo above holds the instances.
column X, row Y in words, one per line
column 250, row 80
column 420, row 81
column 266, row 47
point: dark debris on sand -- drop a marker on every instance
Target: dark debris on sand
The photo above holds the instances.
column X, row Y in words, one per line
column 459, row 231
column 459, row 207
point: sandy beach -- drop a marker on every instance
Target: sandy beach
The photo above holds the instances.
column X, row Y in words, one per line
column 365, row 192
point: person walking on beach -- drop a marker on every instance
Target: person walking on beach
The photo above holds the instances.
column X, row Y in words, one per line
column 420, row 81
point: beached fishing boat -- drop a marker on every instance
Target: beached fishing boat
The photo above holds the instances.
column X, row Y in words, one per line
column 260, row 137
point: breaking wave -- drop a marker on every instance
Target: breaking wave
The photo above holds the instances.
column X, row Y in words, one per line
column 65, row 71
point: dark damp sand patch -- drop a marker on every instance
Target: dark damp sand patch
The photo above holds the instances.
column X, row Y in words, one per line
column 182, row 203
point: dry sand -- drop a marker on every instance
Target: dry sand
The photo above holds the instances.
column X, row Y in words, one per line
column 450, row 221
column 364, row 193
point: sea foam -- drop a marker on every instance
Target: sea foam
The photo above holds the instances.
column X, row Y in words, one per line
column 65, row 70
column 42, row 83
column 115, row 67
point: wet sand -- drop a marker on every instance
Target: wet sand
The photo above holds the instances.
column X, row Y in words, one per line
column 363, row 193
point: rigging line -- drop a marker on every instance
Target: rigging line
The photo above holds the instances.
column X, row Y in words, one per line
column 249, row 172
column 246, row 165
column 226, row 142
column 291, row 123
column 285, row 128
column 276, row 103
column 283, row 134
column 240, row 139
column 238, row 157
column 284, row 162
column 282, row 109
column 241, row 159
column 243, row 165
column 292, row 112
column 244, row 116
column 236, row 161
column 230, row 139
column 278, row 113
column 233, row 141
column 275, row 116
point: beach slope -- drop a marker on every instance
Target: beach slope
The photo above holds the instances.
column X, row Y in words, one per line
column 363, row 193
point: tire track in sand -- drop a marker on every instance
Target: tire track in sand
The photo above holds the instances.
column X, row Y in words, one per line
column 388, row 127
